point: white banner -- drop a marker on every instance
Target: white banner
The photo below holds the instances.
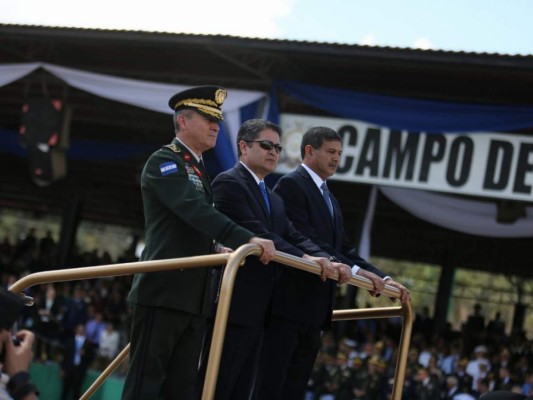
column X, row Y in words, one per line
column 480, row 164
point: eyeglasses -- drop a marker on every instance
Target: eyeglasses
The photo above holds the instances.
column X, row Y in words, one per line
column 267, row 145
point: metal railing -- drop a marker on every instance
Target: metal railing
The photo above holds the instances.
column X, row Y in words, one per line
column 232, row 261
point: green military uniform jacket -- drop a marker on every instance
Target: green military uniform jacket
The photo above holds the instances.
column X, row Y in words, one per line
column 180, row 221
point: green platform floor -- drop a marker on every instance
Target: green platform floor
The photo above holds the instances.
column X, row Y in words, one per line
column 48, row 380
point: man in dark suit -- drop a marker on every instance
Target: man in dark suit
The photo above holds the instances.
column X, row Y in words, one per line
column 451, row 387
column 50, row 308
column 170, row 307
column 240, row 194
column 320, row 219
column 427, row 386
column 78, row 355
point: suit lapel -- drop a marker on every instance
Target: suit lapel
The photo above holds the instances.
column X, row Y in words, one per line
column 317, row 198
column 252, row 185
column 328, row 223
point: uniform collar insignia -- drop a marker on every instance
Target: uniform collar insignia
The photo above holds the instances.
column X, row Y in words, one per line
column 173, row 147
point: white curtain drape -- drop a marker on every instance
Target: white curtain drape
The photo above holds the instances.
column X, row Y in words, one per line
column 149, row 95
column 13, row 72
column 467, row 216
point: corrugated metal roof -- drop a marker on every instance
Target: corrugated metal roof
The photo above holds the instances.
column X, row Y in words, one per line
column 288, row 42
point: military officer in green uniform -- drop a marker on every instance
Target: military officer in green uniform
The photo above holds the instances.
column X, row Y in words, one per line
column 169, row 307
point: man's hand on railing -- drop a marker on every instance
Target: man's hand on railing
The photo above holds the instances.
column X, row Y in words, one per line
column 405, row 295
column 345, row 272
column 224, row 250
column 269, row 251
column 378, row 283
column 221, row 249
column 327, row 266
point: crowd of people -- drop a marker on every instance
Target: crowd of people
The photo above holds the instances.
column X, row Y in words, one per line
column 361, row 365
column 357, row 363
column 77, row 325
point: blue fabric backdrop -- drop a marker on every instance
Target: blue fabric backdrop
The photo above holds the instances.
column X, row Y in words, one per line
column 409, row 114
column 224, row 155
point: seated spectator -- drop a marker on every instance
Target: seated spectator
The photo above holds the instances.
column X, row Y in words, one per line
column 75, row 312
column 94, row 326
column 47, row 327
column 479, row 366
column 375, row 386
column 78, row 356
column 455, row 392
column 504, row 380
column 482, row 387
column 448, row 364
column 427, row 387
column 527, row 387
column 109, row 345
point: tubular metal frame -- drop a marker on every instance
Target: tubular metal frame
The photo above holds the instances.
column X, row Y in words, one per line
column 232, row 261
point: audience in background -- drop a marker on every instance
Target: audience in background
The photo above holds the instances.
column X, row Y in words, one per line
column 97, row 304
column 359, row 363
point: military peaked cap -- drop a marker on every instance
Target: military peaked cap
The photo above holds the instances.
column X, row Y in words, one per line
column 206, row 100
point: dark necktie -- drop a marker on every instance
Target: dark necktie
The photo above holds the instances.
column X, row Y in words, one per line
column 265, row 195
column 203, row 169
column 325, row 194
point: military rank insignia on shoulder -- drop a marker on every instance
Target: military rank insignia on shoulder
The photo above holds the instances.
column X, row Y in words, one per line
column 173, row 148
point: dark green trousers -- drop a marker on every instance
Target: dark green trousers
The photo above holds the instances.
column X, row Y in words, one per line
column 164, row 354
